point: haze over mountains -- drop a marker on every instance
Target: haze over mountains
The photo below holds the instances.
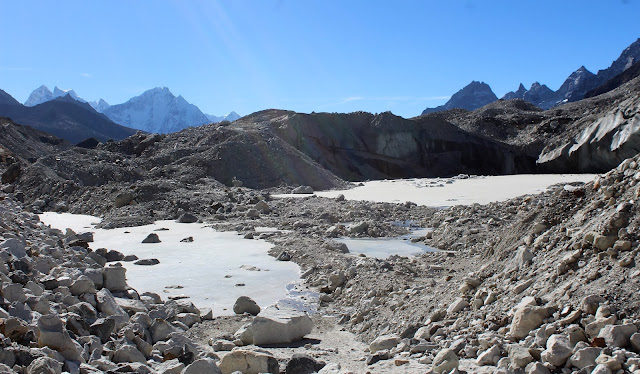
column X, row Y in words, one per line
column 574, row 88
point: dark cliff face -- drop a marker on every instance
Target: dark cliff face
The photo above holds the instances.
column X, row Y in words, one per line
column 360, row 146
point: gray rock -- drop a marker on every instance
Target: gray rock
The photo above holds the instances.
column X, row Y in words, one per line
column 525, row 319
column 147, row 262
column 445, row 361
column 202, row 366
column 519, row 356
column 618, row 335
column 13, row 292
column 585, row 357
column 54, row 335
column 457, row 305
column 82, row 285
column 114, row 278
column 151, row 238
column 123, row 199
column 187, row 218
column 303, row 364
column 274, row 326
column 44, row 365
column 601, row 369
column 489, row 357
column 248, row 362
column 558, row 350
column 128, row 353
column 245, row 304
column 103, row 328
column 170, row 367
column 537, row 368
column 160, row 330
column 635, row 341
column 14, row 246
column 384, row 342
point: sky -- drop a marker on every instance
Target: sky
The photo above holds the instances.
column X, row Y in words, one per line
column 324, row 56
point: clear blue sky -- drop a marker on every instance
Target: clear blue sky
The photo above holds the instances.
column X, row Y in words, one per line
column 303, row 55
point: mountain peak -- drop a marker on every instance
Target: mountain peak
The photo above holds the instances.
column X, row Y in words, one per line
column 39, row 96
column 473, row 96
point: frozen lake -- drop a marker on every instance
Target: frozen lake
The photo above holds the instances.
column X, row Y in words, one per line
column 445, row 192
column 213, row 270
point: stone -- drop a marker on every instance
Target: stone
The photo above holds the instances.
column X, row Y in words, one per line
column 618, row 335
column 378, row 356
column 635, row 341
column 107, row 304
column 457, row 305
column 359, row 227
column 245, row 304
column 525, row 319
column 114, row 278
column 262, row 206
column 336, row 280
column 384, row 342
column 248, row 362
column 82, row 285
column 52, row 334
column 611, row 362
column 14, row 246
column 222, row 345
column 13, row 292
column 537, row 368
column 603, row 242
column 302, row 190
column 519, row 356
column 152, row 238
column 275, row 326
column 489, row 357
column 103, row 328
column 187, row 218
column 44, row 365
column 303, row 364
column 131, row 306
column 601, row 369
column 13, row 328
column 284, row 256
column 160, row 330
column 558, row 350
column 123, row 199
column 445, row 361
column 202, row 366
column 128, row 353
column 170, row 367
column 147, row 262
column 585, row 357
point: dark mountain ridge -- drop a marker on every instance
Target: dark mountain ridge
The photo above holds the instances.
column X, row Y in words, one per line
column 64, row 117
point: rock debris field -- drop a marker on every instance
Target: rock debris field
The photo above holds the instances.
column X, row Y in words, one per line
column 540, row 283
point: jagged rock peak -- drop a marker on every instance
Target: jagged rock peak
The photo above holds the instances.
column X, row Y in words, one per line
column 473, row 96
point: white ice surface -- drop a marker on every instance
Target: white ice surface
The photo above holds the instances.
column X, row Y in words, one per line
column 199, row 267
column 438, row 193
column 382, row 248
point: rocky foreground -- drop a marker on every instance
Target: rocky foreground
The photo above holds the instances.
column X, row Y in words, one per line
column 538, row 284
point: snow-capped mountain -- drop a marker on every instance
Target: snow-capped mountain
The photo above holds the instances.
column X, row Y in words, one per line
column 157, row 111
column 39, row 95
column 42, row 94
column 99, row 105
column 229, row 117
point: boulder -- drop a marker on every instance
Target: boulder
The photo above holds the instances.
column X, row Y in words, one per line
column 151, row 238
column 128, row 353
column 303, row 364
column 618, row 335
column 445, row 361
column 114, row 278
column 44, row 365
column 13, row 292
column 558, row 350
column 160, row 330
column 14, row 246
column 248, row 362
column 276, row 326
column 519, row 356
column 123, row 199
column 170, row 367
column 147, row 262
column 457, row 305
column 525, row 319
column 202, row 366
column 52, row 334
column 82, row 285
column 187, row 218
column 585, row 357
column 384, row 342
column 489, row 357
column 245, row 304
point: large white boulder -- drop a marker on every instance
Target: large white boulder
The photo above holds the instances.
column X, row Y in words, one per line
column 248, row 362
column 276, row 325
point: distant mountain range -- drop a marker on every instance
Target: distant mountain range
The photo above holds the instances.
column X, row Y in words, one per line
column 574, row 88
column 156, row 110
column 64, row 117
